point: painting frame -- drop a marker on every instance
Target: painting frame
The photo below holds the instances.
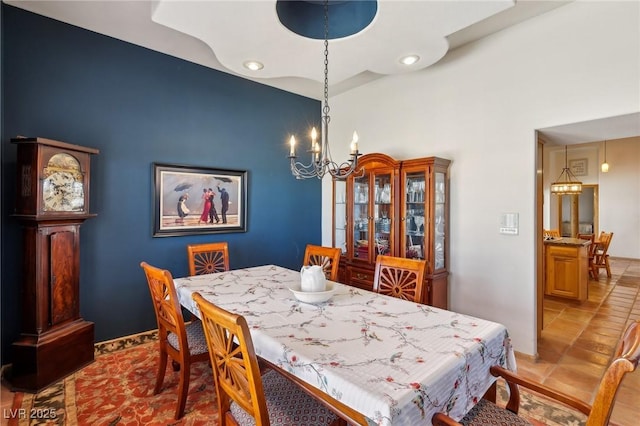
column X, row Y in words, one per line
column 579, row 166
column 181, row 194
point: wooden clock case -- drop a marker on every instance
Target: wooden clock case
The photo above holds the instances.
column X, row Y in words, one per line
column 55, row 341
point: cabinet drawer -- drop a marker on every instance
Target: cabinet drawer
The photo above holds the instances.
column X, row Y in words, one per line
column 362, row 278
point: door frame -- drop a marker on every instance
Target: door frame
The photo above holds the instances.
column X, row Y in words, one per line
column 539, row 245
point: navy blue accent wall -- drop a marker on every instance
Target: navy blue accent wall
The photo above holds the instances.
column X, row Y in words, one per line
column 137, row 107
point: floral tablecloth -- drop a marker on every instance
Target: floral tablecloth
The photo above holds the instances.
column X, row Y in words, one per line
column 394, row 361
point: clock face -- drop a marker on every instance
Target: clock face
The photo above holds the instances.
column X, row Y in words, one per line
column 63, row 187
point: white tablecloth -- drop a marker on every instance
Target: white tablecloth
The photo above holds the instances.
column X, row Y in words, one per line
column 394, row 361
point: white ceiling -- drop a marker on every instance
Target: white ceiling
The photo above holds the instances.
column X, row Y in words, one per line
column 610, row 128
column 223, row 34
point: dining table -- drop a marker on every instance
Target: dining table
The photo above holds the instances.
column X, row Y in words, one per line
column 390, row 361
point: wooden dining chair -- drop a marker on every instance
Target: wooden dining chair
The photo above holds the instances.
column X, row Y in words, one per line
column 551, row 233
column 601, row 255
column 244, row 396
column 327, row 257
column 625, row 360
column 399, row 277
column 591, row 251
column 183, row 343
column 208, row 258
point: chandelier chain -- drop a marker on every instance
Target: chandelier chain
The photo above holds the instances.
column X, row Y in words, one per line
column 325, row 108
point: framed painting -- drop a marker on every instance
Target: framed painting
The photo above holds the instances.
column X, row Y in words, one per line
column 198, row 200
column 579, row 167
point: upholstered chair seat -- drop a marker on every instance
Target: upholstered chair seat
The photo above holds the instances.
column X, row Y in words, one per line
column 286, row 404
column 195, row 338
column 489, row 414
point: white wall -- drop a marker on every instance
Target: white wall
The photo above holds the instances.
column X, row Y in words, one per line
column 620, row 197
column 479, row 107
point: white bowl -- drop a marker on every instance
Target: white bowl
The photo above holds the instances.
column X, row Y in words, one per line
column 313, row 296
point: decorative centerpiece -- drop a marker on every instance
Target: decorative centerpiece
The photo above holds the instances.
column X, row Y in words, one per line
column 314, row 287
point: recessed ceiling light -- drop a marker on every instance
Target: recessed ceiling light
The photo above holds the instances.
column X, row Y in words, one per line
column 253, row 65
column 409, row 59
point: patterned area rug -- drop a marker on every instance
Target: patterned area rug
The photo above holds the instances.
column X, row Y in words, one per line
column 117, row 389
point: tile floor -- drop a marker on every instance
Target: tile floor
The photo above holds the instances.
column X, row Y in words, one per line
column 577, row 342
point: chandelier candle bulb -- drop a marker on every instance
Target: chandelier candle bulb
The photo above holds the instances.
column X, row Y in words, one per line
column 292, row 142
column 354, row 143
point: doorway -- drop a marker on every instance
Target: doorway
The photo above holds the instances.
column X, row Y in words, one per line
column 587, row 214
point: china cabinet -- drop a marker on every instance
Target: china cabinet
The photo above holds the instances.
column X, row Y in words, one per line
column 397, row 208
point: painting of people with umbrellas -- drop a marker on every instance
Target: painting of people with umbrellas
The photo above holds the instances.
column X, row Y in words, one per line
column 198, row 200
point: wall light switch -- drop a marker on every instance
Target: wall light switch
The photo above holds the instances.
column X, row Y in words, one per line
column 509, row 223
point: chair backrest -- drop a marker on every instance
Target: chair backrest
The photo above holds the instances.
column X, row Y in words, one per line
column 553, row 233
column 327, row 257
column 233, row 360
column 604, row 240
column 592, row 246
column 626, row 360
column 208, row 258
column 166, row 304
column 399, row 277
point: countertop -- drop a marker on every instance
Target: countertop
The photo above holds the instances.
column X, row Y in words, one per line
column 568, row 241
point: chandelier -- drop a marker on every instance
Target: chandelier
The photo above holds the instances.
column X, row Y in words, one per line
column 567, row 183
column 321, row 160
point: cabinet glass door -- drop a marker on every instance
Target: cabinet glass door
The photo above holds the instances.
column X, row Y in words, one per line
column 361, row 216
column 414, row 215
column 340, row 215
column 382, row 213
column 440, row 220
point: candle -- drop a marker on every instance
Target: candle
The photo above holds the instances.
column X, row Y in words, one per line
column 292, row 141
column 354, row 143
column 314, row 136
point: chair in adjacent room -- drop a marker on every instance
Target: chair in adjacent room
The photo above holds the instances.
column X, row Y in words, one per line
column 601, row 255
column 551, row 233
column 183, row 343
column 208, row 258
column 625, row 360
column 244, row 396
column 591, row 251
column 399, row 277
column 327, row 257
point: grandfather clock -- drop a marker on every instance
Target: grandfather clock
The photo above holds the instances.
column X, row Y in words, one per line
column 52, row 201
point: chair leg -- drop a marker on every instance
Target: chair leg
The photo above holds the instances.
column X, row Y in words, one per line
column 162, row 367
column 606, row 265
column 183, row 389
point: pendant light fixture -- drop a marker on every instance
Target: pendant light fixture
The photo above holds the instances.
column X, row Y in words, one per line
column 605, row 166
column 566, row 183
column 321, row 161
